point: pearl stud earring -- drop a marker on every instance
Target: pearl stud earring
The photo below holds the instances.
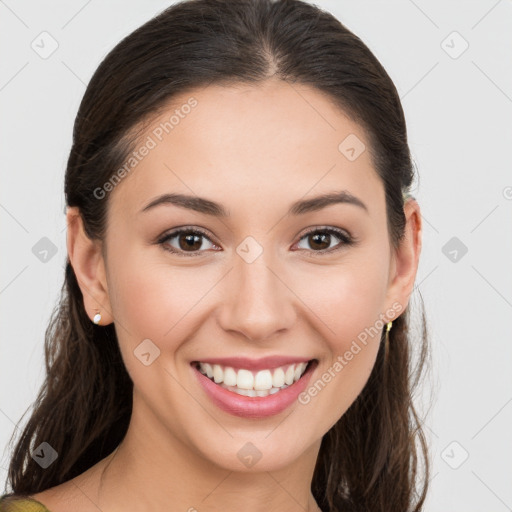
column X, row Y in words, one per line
column 97, row 318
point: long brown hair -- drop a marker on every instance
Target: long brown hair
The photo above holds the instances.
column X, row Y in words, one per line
column 369, row 459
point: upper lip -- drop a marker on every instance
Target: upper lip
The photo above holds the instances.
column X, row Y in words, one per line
column 254, row 364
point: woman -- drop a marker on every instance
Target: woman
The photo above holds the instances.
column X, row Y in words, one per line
column 242, row 247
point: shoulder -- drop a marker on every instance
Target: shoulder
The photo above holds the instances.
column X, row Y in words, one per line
column 17, row 503
column 72, row 495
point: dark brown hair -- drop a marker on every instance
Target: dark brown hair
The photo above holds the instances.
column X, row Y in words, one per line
column 368, row 460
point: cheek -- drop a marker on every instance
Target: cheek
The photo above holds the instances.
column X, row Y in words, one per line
column 348, row 299
column 349, row 302
column 154, row 299
column 349, row 309
column 163, row 304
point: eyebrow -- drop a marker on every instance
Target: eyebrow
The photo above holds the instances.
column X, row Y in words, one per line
column 208, row 207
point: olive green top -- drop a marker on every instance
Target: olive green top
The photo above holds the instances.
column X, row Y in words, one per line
column 13, row 503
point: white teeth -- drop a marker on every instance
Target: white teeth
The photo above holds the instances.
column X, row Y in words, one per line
column 263, row 381
column 218, row 374
column 252, row 392
column 208, row 369
column 289, row 375
column 245, row 379
column 299, row 370
column 278, row 378
column 230, row 377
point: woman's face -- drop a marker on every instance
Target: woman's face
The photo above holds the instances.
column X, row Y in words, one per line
column 254, row 284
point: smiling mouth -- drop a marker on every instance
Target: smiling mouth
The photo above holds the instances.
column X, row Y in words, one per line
column 252, row 383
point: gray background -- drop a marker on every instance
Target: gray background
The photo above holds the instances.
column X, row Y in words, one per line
column 458, row 105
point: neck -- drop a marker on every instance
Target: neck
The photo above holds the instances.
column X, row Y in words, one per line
column 154, row 472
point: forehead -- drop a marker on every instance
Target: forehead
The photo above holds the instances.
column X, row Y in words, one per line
column 267, row 143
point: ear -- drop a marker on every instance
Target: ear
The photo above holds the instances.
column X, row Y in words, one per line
column 405, row 259
column 87, row 261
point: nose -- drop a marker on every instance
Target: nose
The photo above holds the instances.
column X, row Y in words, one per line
column 259, row 302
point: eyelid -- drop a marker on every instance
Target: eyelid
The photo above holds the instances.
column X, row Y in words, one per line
column 326, row 228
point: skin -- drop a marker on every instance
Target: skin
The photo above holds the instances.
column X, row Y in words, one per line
column 255, row 150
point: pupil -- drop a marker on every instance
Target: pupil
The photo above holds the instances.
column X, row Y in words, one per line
column 191, row 239
column 321, row 238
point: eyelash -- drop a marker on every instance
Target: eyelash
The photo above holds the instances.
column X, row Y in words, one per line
column 345, row 238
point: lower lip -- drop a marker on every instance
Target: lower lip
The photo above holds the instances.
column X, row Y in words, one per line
column 257, row 406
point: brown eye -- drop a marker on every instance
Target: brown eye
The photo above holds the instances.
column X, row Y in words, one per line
column 189, row 241
column 319, row 240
